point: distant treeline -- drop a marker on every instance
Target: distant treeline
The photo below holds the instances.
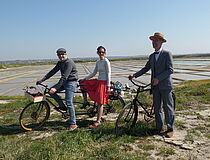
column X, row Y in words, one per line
column 19, row 63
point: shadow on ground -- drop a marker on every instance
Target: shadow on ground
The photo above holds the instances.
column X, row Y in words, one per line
column 141, row 129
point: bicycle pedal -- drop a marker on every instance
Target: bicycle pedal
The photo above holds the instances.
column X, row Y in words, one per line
column 64, row 115
column 57, row 109
column 60, row 109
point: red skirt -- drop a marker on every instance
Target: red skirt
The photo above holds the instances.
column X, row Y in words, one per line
column 97, row 90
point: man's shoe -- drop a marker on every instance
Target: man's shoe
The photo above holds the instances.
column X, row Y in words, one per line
column 95, row 125
column 169, row 134
column 72, row 127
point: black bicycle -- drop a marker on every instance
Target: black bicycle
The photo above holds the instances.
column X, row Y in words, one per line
column 37, row 112
column 141, row 104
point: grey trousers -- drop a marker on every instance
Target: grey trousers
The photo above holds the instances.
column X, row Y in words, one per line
column 163, row 101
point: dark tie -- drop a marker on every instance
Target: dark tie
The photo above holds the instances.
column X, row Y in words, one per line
column 156, row 52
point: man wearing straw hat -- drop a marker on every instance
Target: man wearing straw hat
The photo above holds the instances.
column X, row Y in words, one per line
column 161, row 64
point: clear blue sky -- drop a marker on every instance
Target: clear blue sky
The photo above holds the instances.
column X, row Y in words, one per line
column 34, row 29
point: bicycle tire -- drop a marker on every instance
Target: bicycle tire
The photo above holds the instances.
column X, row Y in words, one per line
column 92, row 111
column 150, row 116
column 89, row 108
column 174, row 100
column 115, row 105
column 34, row 115
column 126, row 119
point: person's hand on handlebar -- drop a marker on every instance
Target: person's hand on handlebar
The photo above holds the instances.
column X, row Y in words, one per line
column 39, row 82
column 131, row 76
column 52, row 91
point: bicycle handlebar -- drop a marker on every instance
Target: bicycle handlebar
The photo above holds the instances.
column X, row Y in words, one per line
column 139, row 85
column 45, row 86
column 38, row 83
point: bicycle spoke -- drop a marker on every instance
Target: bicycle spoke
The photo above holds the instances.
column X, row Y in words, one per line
column 126, row 119
column 115, row 105
column 34, row 115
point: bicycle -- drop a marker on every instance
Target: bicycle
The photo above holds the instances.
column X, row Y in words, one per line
column 37, row 112
column 141, row 103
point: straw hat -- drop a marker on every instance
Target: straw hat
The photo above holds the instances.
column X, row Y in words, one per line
column 157, row 35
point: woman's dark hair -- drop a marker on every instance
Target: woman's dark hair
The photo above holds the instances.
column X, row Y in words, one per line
column 101, row 47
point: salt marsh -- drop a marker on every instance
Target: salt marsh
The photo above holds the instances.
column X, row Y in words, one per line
column 13, row 80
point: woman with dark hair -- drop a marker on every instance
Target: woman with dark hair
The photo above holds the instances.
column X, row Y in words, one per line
column 98, row 88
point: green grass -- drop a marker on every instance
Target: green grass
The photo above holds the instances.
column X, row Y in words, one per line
column 100, row 143
column 2, row 66
column 12, row 65
column 81, row 144
column 189, row 137
column 200, row 117
column 192, row 93
column 11, row 97
column 207, row 135
column 165, row 152
column 180, row 124
column 192, row 55
column 147, row 147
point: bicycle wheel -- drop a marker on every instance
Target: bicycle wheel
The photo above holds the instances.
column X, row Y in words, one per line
column 126, row 119
column 115, row 105
column 34, row 115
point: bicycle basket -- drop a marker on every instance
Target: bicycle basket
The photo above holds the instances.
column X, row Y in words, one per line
column 114, row 93
column 34, row 95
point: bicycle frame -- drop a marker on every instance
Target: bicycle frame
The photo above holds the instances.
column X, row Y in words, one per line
column 136, row 101
column 84, row 103
column 35, row 114
column 128, row 116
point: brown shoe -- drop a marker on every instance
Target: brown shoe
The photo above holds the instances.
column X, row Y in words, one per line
column 158, row 131
column 95, row 125
column 72, row 127
column 169, row 134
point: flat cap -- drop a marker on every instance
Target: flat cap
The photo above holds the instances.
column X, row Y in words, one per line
column 61, row 50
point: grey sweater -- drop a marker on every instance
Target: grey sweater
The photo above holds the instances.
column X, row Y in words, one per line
column 68, row 72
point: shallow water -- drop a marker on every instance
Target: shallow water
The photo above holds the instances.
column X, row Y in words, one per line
column 13, row 80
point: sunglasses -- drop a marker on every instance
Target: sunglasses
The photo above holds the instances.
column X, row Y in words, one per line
column 61, row 54
column 101, row 52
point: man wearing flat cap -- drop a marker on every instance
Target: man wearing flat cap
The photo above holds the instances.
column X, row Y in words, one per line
column 67, row 82
column 161, row 64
